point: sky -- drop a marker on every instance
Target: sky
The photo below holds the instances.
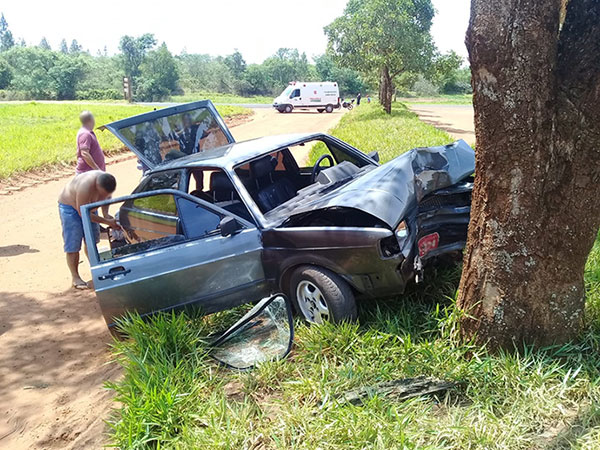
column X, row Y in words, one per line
column 257, row 28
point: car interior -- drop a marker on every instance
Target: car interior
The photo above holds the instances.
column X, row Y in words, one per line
column 275, row 179
column 214, row 186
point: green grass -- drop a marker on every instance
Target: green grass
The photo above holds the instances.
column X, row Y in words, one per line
column 216, row 97
column 36, row 134
column 459, row 99
column 173, row 396
column 368, row 128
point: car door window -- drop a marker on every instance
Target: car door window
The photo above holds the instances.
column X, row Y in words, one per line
column 295, row 94
column 156, row 221
column 197, row 220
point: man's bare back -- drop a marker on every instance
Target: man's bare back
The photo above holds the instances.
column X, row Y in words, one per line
column 82, row 190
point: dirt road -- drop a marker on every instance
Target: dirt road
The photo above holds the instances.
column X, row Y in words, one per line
column 457, row 120
column 53, row 341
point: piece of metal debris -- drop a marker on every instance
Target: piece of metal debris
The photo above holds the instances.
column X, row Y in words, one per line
column 397, row 389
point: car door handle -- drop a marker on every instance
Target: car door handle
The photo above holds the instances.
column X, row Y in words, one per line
column 114, row 272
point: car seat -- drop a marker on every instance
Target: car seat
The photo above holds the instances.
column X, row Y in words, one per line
column 270, row 193
column 225, row 195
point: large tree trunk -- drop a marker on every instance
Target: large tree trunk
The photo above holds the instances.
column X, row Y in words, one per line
column 536, row 205
column 386, row 89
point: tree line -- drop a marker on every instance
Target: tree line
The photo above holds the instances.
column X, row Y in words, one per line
column 70, row 72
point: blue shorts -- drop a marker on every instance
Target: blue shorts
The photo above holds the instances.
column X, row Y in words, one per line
column 72, row 228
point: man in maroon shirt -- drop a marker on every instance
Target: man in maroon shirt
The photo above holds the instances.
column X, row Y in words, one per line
column 89, row 153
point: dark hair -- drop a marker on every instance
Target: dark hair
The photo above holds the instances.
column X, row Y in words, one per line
column 174, row 154
column 107, row 182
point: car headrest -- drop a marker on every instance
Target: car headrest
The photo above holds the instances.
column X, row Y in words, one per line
column 263, row 167
column 219, row 181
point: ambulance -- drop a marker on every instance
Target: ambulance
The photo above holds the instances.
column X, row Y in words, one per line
column 320, row 95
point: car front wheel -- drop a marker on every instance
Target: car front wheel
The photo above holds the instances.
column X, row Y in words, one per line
column 321, row 295
column 288, row 108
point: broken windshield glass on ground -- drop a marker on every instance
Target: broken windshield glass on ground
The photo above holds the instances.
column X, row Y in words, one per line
column 265, row 333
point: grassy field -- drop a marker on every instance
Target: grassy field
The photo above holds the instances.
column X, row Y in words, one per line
column 216, row 97
column 368, row 128
column 36, row 134
column 462, row 99
column 173, row 396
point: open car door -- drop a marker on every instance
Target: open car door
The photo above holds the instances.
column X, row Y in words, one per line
column 189, row 128
column 175, row 250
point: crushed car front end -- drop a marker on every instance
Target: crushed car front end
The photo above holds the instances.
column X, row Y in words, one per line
column 379, row 231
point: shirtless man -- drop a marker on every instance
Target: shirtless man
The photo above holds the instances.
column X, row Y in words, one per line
column 87, row 187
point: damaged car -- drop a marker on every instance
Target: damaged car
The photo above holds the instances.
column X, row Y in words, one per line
column 217, row 223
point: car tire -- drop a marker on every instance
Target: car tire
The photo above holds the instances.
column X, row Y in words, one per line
column 329, row 108
column 320, row 295
column 320, row 110
column 289, row 108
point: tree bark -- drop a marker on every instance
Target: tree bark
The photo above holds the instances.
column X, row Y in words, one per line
column 386, row 89
column 536, row 206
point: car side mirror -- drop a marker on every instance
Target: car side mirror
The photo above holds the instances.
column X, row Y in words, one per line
column 374, row 156
column 229, row 226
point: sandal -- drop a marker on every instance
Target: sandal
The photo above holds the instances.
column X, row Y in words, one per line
column 81, row 285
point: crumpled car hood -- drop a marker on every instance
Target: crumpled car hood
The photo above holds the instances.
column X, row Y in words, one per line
column 392, row 189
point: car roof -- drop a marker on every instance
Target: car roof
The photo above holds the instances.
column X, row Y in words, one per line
column 238, row 152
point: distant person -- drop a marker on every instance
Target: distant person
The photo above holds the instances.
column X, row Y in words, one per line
column 147, row 140
column 368, row 99
column 358, row 97
column 187, row 136
column 89, row 153
column 88, row 187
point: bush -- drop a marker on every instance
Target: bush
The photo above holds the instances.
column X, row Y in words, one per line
column 424, row 88
column 5, row 74
column 99, row 94
column 8, row 95
column 458, row 87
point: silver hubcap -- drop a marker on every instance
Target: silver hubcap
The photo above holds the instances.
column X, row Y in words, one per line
column 312, row 303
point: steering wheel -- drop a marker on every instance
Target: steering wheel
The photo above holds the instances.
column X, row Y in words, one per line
column 317, row 167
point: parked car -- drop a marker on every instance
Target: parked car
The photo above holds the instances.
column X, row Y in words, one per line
column 233, row 222
column 319, row 95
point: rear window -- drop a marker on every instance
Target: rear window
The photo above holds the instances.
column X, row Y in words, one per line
column 177, row 135
column 162, row 180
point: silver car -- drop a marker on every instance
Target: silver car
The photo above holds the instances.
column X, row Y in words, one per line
column 216, row 223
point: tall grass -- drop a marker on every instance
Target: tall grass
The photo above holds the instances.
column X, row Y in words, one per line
column 173, row 396
column 34, row 134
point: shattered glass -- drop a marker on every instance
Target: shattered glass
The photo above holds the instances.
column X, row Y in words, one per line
column 265, row 333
